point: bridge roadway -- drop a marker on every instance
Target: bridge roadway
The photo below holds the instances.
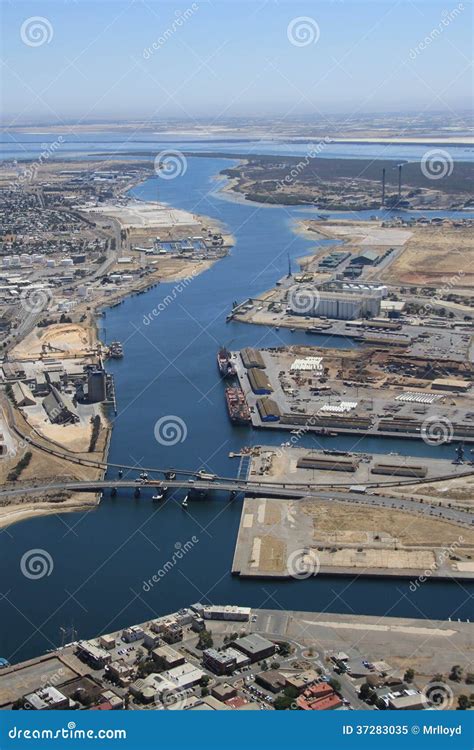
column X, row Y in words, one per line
column 260, row 489
column 33, row 439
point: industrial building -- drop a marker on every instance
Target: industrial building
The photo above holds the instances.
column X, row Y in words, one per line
column 329, row 463
column 268, row 410
column 226, row 612
column 255, row 647
column 219, row 662
column 59, row 407
column 167, row 658
column 259, row 382
column 93, row 655
column 96, row 386
column 22, row 394
column 252, row 358
column 341, row 306
column 46, row 699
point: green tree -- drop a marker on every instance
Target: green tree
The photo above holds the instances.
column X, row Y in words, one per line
column 285, row 649
column 463, row 702
column 409, row 675
column 335, row 684
column 456, row 673
column 365, row 691
column 205, row 640
column 282, row 703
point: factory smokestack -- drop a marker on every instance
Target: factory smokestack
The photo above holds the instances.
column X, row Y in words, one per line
column 383, row 186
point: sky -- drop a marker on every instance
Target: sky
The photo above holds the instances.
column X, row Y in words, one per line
column 85, row 61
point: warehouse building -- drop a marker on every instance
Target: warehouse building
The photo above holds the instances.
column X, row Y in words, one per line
column 344, row 306
column 259, row 382
column 59, row 408
column 255, row 647
column 22, row 394
column 167, row 658
column 268, row 409
column 252, row 358
column 333, row 463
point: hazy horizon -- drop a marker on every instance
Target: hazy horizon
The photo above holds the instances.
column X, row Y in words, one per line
column 124, row 60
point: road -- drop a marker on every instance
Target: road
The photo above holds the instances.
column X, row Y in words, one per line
column 261, row 489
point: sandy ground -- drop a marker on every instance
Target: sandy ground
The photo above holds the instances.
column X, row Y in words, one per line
column 363, row 233
column 72, row 437
column 17, row 512
column 70, row 338
column 430, row 255
column 407, row 528
column 442, row 256
column 145, row 215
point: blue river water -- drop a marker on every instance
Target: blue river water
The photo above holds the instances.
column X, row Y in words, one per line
column 16, row 145
column 101, row 559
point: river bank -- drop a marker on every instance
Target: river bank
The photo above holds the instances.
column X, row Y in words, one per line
column 169, row 370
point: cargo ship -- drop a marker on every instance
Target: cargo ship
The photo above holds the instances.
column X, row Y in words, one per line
column 237, row 406
column 224, row 363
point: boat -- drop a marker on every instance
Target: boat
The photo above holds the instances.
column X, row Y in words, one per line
column 206, row 476
column 158, row 496
column 224, row 363
column 170, row 475
column 115, row 350
column 184, row 504
column 237, row 406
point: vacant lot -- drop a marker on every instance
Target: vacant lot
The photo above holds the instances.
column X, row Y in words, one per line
column 443, row 256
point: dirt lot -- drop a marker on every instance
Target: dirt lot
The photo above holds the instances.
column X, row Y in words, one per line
column 70, row 338
column 433, row 256
column 408, row 529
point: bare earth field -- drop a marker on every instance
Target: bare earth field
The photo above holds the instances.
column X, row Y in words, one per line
column 429, row 255
column 287, row 538
column 432, row 256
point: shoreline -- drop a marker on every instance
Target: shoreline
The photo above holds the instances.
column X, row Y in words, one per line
column 17, row 512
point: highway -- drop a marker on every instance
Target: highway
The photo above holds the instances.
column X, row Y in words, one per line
column 261, row 489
